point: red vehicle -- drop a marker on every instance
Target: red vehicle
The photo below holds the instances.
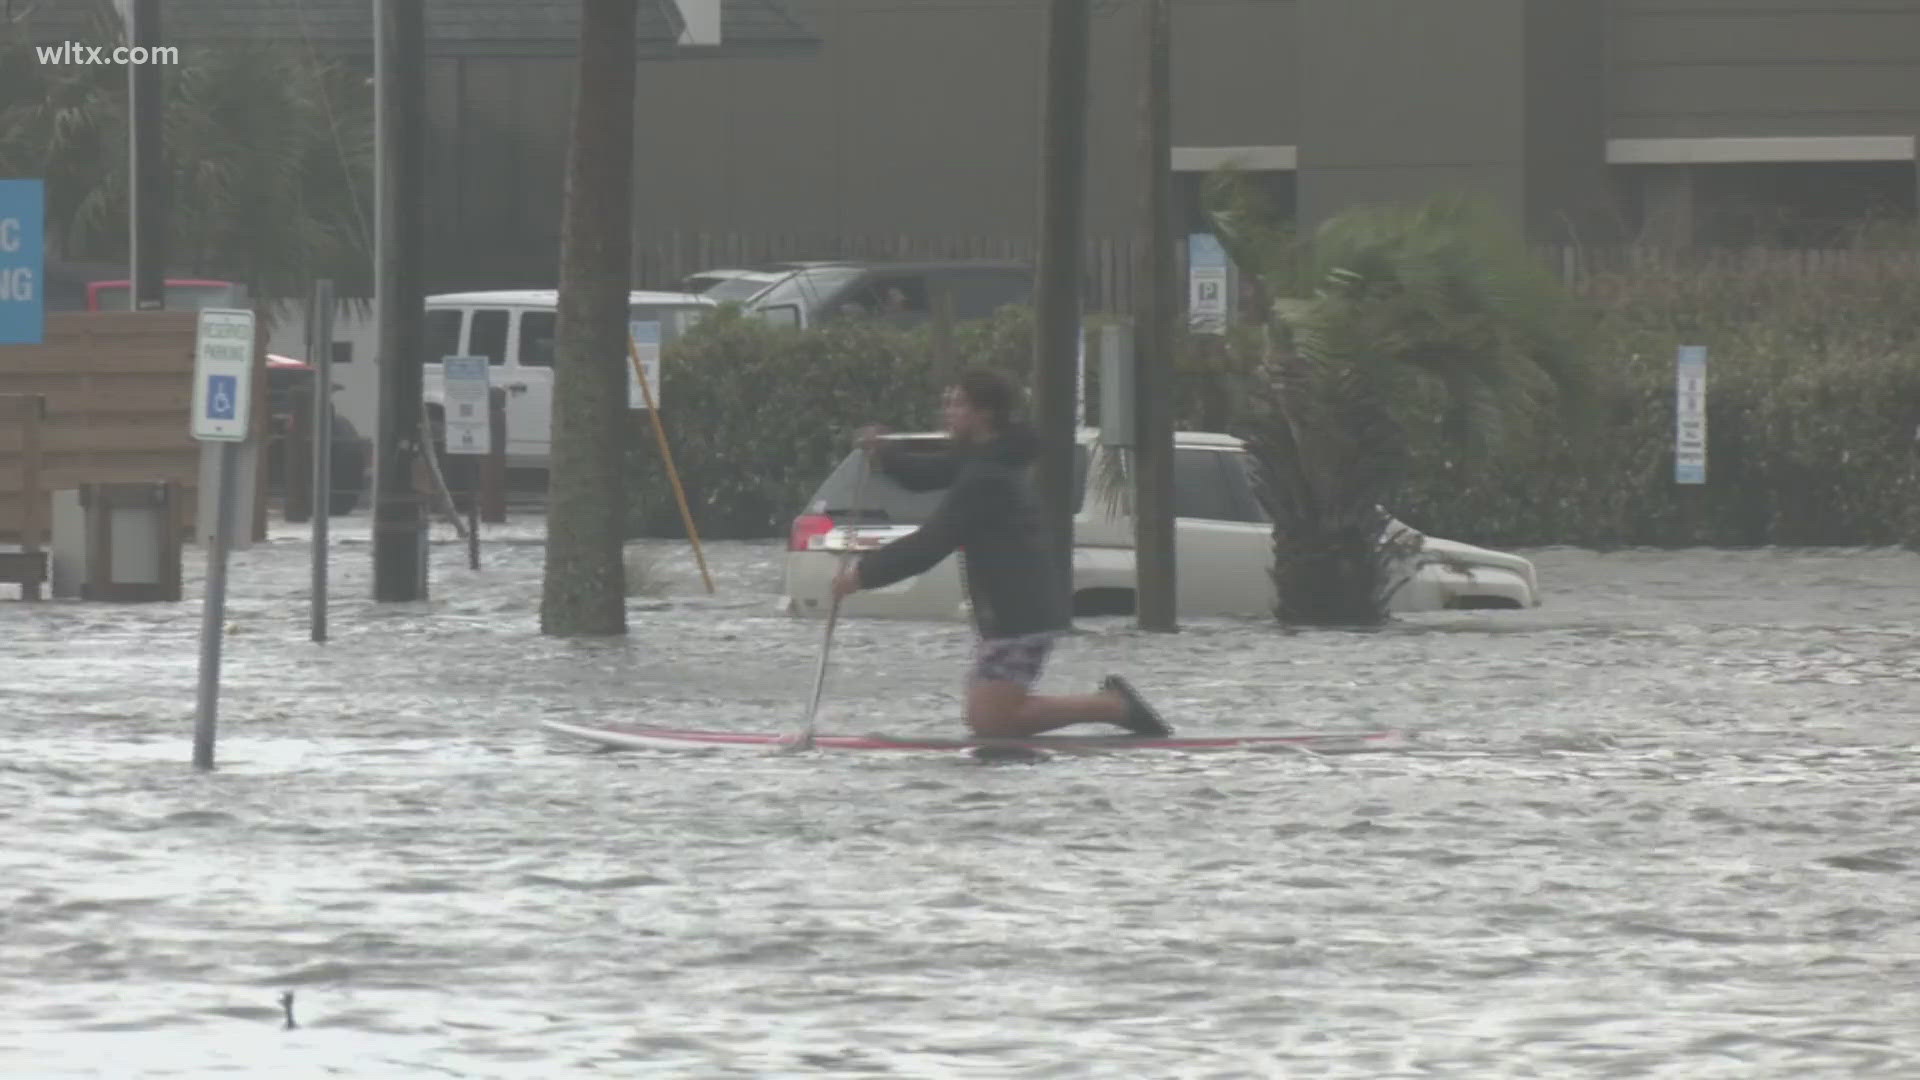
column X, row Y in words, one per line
column 182, row 294
column 351, row 454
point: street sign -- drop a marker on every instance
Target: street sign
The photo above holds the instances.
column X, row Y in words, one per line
column 467, row 381
column 23, row 306
column 646, row 342
column 222, row 404
column 1690, row 416
column 1206, row 283
column 223, row 375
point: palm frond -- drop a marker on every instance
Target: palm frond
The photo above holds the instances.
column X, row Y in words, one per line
column 269, row 158
column 1432, row 317
column 1112, row 481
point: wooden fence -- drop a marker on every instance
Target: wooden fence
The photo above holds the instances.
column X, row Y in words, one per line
column 118, row 389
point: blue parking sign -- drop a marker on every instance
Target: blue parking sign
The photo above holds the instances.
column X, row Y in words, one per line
column 22, row 262
column 223, row 392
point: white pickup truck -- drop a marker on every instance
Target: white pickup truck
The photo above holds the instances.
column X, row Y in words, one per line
column 1223, row 546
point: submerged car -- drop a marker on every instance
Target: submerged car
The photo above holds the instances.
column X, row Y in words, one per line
column 1223, row 545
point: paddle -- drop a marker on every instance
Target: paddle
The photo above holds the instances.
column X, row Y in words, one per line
column 804, row 740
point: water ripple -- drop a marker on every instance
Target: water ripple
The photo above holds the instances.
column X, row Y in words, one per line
column 1663, row 826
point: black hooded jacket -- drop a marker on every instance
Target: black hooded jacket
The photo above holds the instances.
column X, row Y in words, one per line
column 990, row 514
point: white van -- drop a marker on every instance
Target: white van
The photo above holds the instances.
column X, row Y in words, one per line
column 514, row 330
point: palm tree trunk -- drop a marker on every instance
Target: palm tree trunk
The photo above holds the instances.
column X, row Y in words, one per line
column 1317, row 438
column 584, row 590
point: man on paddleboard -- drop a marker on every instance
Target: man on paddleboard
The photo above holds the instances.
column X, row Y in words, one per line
column 991, row 516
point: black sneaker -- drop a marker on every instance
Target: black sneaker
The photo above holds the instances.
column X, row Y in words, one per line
column 1141, row 719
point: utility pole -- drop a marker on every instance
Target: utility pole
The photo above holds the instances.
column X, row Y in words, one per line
column 1154, row 348
column 1057, row 290
column 399, row 65
column 583, row 591
column 146, row 168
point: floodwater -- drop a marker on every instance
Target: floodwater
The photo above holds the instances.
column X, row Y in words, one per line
column 1666, row 825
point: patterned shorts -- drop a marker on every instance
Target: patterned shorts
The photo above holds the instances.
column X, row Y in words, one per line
column 1012, row 659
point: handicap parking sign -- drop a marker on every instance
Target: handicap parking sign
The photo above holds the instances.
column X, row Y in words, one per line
column 222, row 392
column 223, row 374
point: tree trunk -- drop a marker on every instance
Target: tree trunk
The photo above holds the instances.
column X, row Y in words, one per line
column 584, row 590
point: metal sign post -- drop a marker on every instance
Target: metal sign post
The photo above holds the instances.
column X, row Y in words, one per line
column 1116, row 385
column 222, row 408
column 1690, row 416
column 469, row 428
column 1080, row 380
column 643, row 392
column 22, row 261
column 320, row 352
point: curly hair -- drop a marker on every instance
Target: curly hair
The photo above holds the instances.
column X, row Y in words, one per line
column 990, row 392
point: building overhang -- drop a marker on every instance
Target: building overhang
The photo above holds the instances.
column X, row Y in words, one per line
column 1251, row 158
column 665, row 30
column 1749, row 151
column 1669, row 151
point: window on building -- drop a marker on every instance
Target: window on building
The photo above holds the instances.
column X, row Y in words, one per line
column 1804, row 204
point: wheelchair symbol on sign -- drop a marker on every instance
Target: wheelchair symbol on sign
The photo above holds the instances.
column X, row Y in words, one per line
column 221, row 391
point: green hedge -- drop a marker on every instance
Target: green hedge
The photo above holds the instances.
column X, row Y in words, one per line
column 1813, row 399
column 756, row 415
column 1813, row 395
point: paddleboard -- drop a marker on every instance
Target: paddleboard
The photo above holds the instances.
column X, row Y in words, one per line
column 647, row 737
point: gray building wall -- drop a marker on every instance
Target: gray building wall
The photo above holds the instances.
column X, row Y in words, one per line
column 918, row 120
column 925, row 116
column 1732, row 68
column 1405, row 95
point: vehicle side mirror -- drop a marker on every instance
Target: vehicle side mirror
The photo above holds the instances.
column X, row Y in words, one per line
column 781, row 314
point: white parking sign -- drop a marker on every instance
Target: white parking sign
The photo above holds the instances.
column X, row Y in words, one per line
column 466, row 380
column 223, row 375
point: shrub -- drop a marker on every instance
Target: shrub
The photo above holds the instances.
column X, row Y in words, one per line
column 1813, row 394
column 757, row 415
column 1813, row 402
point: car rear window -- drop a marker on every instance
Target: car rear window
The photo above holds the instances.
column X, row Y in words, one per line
column 885, row 502
column 739, row 290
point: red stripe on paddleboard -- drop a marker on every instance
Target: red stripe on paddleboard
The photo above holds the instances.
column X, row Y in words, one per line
column 698, row 737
